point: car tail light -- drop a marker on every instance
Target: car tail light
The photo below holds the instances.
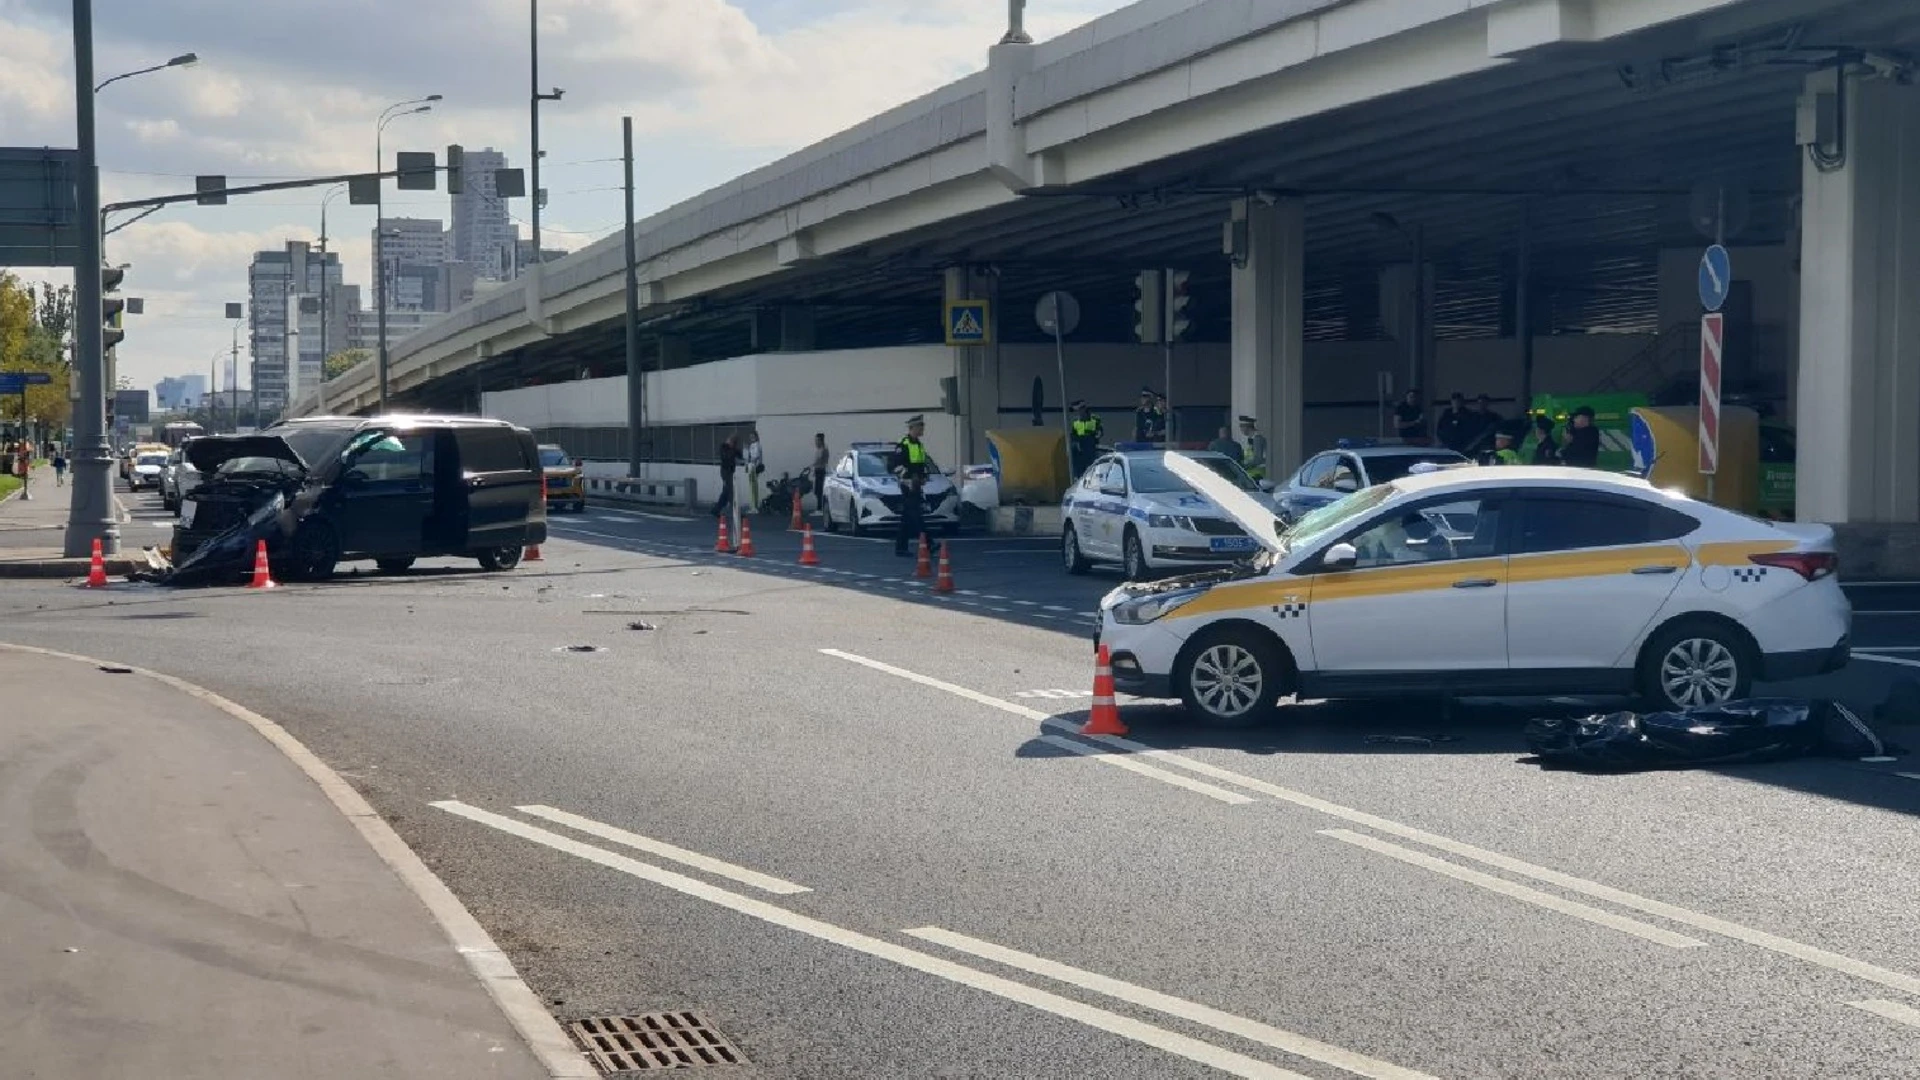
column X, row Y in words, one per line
column 1812, row 565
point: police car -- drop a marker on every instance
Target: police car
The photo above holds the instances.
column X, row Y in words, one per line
column 1513, row 581
column 1128, row 508
column 862, row 493
column 1353, row 464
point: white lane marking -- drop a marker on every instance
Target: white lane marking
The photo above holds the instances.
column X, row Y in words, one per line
column 845, row 536
column 1888, row 648
column 716, row 867
column 1810, row 954
column 639, row 514
column 1054, row 607
column 1231, row 798
column 1252, row 1030
column 1857, row 612
column 1126, row 1027
column 1908, row 775
column 1028, row 603
column 1518, row 892
column 1047, row 720
column 1048, row 551
column 1892, row 1010
column 1902, row 661
column 575, row 529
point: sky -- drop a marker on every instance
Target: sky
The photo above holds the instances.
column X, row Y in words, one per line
column 292, row 88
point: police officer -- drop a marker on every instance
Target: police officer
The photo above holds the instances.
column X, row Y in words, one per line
column 1255, row 455
column 1503, row 451
column 1087, row 433
column 1150, row 419
column 910, row 465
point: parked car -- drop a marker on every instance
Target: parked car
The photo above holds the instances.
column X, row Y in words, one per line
column 565, row 479
column 1328, row 477
column 862, row 493
column 324, row 490
column 1510, row 581
column 177, row 479
column 1128, row 508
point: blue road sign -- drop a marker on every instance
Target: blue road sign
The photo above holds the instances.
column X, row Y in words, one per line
column 16, row 382
column 968, row 323
column 1716, row 277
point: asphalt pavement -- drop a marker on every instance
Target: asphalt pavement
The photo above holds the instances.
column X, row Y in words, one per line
column 847, row 822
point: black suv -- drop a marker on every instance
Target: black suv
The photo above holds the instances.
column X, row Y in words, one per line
column 393, row 489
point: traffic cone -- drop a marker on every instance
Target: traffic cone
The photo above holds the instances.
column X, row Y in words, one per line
column 746, row 538
column 807, row 555
column 1104, row 719
column 262, row 577
column 799, row 519
column 945, row 583
column 722, row 545
column 924, row 568
column 97, row 570
column 532, row 554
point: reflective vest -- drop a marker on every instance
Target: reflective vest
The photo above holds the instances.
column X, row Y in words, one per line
column 1086, row 429
column 1506, row 457
column 1247, row 457
column 916, row 454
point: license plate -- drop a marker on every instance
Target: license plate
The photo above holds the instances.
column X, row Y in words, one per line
column 1231, row 543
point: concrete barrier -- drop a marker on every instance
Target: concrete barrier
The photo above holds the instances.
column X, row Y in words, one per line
column 680, row 494
column 1878, row 551
column 1024, row 521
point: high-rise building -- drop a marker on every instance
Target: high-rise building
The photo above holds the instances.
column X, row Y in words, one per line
column 284, row 283
column 180, row 392
column 414, row 249
column 483, row 232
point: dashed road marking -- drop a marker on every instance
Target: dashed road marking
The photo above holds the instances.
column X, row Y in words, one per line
column 664, row 850
column 1891, row 1010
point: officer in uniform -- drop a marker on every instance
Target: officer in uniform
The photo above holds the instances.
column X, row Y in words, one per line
column 910, row 465
column 1254, row 458
column 1087, row 432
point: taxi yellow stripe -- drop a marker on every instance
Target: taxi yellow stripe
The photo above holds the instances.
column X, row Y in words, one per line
column 1739, row 553
column 1565, row 566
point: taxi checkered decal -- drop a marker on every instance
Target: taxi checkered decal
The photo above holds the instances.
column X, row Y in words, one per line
column 1291, row 610
column 1749, row 573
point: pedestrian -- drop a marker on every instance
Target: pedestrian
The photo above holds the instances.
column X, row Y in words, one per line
column 59, row 468
column 910, row 465
column 1546, row 451
column 1454, row 429
column 1582, row 449
column 820, row 459
column 1224, row 443
column 1254, row 457
column 1503, row 451
column 1482, row 422
column 1410, row 420
column 1149, row 420
column 729, row 462
column 756, row 464
column 1087, row 433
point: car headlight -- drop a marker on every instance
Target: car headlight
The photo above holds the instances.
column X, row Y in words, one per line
column 1170, row 521
column 1145, row 609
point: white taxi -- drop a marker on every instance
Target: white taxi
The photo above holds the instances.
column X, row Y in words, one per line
column 1128, row 508
column 1486, row 582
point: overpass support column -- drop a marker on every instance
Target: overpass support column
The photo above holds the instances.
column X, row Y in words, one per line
column 976, row 368
column 1268, row 247
column 1859, row 379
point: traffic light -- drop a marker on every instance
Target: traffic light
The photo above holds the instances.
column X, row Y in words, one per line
column 1179, row 319
column 1147, row 311
column 456, row 161
column 112, row 308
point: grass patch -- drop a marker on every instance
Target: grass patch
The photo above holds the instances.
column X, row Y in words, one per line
column 8, row 485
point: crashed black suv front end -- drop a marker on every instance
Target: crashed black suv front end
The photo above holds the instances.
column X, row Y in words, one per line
column 255, row 489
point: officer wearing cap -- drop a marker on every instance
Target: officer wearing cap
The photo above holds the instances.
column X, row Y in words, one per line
column 1087, row 432
column 910, row 465
column 1150, row 419
column 1254, row 455
column 1503, row 451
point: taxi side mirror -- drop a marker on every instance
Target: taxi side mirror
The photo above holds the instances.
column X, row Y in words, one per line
column 1340, row 557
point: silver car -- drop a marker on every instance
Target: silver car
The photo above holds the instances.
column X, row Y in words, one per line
column 176, row 479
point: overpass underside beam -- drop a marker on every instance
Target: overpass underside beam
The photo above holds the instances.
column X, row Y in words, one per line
column 1266, row 240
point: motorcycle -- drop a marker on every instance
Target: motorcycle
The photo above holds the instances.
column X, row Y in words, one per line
column 782, row 492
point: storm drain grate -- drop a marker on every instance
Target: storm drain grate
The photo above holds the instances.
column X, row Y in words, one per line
column 669, row 1040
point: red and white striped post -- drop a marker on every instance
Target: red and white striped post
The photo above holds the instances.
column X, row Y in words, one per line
column 1712, row 347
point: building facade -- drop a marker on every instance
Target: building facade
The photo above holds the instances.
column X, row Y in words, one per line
column 483, row 233
column 284, row 294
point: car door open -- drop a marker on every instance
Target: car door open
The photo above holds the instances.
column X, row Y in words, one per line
column 1419, row 589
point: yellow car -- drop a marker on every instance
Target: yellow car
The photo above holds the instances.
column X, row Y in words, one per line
column 566, row 482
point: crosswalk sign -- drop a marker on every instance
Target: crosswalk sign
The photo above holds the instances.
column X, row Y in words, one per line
column 968, row 323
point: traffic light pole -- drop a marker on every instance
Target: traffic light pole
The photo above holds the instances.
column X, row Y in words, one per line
column 91, row 516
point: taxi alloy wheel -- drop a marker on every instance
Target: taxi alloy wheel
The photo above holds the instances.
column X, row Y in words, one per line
column 1698, row 671
column 1070, row 553
column 1232, row 678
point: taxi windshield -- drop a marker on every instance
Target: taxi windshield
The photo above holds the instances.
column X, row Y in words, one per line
column 1336, row 514
column 1151, row 477
column 151, row 459
column 552, row 457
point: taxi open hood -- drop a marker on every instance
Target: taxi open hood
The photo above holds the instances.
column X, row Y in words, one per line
column 1246, row 511
column 210, row 452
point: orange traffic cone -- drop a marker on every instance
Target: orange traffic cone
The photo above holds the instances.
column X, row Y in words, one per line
column 746, row 538
column 799, row 519
column 807, row 555
column 945, row 583
column 97, row 570
column 262, row 577
column 1104, row 719
column 532, row 554
column 722, row 545
column 924, row 568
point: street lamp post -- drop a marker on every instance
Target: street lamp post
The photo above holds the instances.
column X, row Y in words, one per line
column 183, row 60
column 533, row 54
column 325, row 288
column 393, row 112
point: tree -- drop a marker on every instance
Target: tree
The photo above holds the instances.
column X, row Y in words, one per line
column 26, row 344
column 344, row 360
column 56, row 311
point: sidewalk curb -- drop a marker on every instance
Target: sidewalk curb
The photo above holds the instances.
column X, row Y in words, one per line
column 50, row 569
column 542, row 1033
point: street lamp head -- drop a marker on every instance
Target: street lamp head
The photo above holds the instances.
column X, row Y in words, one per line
column 184, row 60
column 432, row 97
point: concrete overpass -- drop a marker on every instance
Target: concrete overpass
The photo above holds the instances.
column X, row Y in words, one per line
column 1570, row 135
